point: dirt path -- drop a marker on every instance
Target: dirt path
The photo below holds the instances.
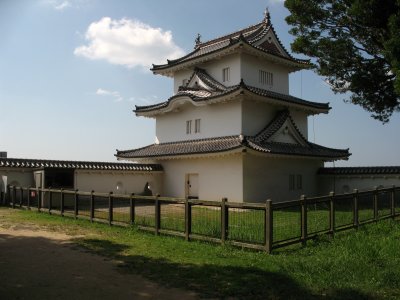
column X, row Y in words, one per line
column 37, row 264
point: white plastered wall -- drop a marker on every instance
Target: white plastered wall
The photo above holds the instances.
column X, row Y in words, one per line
column 218, row 177
column 215, row 67
column 300, row 119
column 250, row 67
column 179, row 77
column 221, row 119
column 20, row 177
column 255, row 116
column 108, row 181
column 268, row 177
column 345, row 184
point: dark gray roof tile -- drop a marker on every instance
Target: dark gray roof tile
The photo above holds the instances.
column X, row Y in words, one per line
column 81, row 165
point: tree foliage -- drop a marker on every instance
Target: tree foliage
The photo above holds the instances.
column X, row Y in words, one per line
column 356, row 46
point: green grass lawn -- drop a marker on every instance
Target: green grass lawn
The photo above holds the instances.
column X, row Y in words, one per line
column 363, row 264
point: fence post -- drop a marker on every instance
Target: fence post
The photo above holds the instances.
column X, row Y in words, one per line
column 376, row 204
column 157, row 216
column 332, row 213
column 21, row 196
column 8, row 200
column 355, row 208
column 50, row 200
column 224, row 220
column 76, row 208
column 91, row 206
column 39, row 199
column 62, row 202
column 392, row 202
column 268, row 226
column 14, row 196
column 28, row 198
column 110, row 208
column 188, row 219
column 303, row 203
column 132, row 203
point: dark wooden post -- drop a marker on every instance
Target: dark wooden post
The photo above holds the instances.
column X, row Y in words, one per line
column 393, row 202
column 8, row 200
column 132, row 203
column 224, row 220
column 110, row 208
column 157, row 216
column 62, row 202
column 303, row 203
column 39, row 199
column 355, row 208
column 91, row 206
column 76, row 203
column 376, row 204
column 28, row 198
column 332, row 213
column 50, row 200
column 21, row 194
column 14, row 196
column 188, row 219
column 268, row 223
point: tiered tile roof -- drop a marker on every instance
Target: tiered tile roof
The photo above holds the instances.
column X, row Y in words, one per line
column 251, row 37
column 79, row 165
column 260, row 143
column 215, row 90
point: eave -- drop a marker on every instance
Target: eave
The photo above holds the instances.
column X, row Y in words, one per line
column 240, row 92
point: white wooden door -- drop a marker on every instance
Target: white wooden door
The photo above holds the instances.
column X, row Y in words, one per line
column 193, row 186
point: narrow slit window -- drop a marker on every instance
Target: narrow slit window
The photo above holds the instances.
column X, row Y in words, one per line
column 189, row 127
column 291, row 182
column 197, row 126
column 226, row 75
column 299, row 182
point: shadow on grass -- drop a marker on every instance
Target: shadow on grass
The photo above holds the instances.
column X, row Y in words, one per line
column 213, row 281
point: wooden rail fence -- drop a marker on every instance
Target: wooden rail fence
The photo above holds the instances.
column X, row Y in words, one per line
column 265, row 226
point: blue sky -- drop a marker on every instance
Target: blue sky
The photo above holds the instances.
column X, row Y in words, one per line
column 71, row 72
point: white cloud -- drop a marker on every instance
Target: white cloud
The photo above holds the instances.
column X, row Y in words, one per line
column 126, row 42
column 113, row 94
column 58, row 4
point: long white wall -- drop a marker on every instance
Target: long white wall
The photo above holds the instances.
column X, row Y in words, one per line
column 17, row 177
column 346, row 184
column 217, row 120
column 218, row 177
column 268, row 178
column 117, row 182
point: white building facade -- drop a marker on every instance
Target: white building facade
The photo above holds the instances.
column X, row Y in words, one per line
column 231, row 129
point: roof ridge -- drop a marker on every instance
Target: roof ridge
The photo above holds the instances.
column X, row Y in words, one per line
column 229, row 35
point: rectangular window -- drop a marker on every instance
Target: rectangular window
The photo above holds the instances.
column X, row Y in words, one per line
column 266, row 78
column 197, row 126
column 291, row 182
column 299, row 182
column 189, row 127
column 226, row 75
column 295, row 182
